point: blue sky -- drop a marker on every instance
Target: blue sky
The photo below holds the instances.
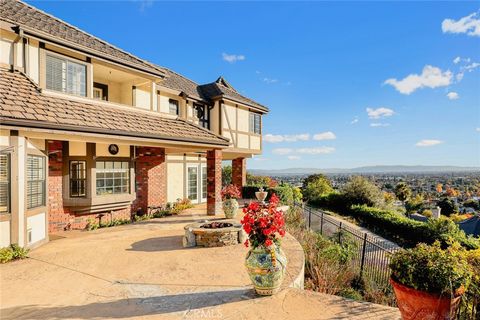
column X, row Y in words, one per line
column 374, row 82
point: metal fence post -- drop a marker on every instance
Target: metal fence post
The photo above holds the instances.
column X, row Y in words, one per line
column 321, row 223
column 309, row 218
column 363, row 253
column 340, row 233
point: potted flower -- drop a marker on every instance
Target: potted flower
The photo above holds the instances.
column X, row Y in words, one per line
column 265, row 261
column 428, row 281
column 230, row 194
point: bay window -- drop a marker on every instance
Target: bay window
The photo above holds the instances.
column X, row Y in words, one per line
column 36, row 179
column 65, row 75
column 113, row 177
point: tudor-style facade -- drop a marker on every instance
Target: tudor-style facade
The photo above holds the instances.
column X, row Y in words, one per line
column 88, row 131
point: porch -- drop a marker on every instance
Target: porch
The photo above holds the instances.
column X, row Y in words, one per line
column 142, row 271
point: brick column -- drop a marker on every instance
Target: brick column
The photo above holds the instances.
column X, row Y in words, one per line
column 214, row 182
column 150, row 178
column 239, row 172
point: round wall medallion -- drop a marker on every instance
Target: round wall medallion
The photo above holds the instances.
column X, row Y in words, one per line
column 113, row 149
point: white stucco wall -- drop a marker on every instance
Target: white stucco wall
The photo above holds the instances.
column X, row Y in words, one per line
column 4, row 234
column 102, row 150
column 36, row 224
column 175, row 181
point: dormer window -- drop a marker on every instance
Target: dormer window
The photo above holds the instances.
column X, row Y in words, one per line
column 173, row 107
column 65, row 75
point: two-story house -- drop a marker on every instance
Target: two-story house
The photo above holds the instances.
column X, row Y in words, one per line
column 89, row 131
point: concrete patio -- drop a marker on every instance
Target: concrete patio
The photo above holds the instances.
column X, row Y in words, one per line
column 142, row 271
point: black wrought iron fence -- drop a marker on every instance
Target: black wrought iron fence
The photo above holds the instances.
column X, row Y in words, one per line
column 372, row 255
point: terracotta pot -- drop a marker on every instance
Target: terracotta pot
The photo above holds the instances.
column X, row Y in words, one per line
column 419, row 305
column 266, row 268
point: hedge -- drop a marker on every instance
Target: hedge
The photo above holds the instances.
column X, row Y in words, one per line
column 408, row 232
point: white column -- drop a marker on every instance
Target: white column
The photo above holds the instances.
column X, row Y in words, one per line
column 18, row 189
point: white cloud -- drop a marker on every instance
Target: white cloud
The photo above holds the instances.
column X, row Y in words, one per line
column 293, row 158
column 282, row 151
column 477, row 129
column 276, row 138
column 431, row 77
column 428, row 143
column 471, row 67
column 453, row 95
column 379, row 113
column 469, row 25
column 459, row 76
column 259, row 159
column 379, row 124
column 329, row 135
column 317, row 150
column 269, row 80
column 232, row 58
column 457, row 60
column 355, row 120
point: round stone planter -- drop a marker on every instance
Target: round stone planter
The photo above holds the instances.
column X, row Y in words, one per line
column 266, row 269
column 230, row 208
column 419, row 305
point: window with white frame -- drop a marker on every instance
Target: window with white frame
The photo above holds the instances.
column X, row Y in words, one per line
column 113, row 177
column 4, row 183
column 65, row 75
column 36, row 192
column 255, row 123
column 173, row 107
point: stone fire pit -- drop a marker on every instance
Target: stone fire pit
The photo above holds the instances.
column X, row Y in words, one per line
column 213, row 234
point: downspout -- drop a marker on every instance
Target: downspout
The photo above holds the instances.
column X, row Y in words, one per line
column 20, row 36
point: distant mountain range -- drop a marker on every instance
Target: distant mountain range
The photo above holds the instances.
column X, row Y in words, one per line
column 368, row 169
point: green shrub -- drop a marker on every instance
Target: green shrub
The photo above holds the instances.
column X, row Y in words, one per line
column 432, row 269
column 181, row 205
column 92, row 224
column 286, row 192
column 13, row 252
column 408, row 232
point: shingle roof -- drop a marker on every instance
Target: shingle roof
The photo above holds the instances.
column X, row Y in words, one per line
column 24, row 15
column 22, row 103
column 222, row 88
column 206, row 92
column 178, row 82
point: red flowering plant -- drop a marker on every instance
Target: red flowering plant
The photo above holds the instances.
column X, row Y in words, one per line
column 231, row 192
column 264, row 224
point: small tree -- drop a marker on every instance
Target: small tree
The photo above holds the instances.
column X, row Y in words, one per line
column 359, row 190
column 403, row 192
column 414, row 204
column 447, row 206
column 316, row 186
column 226, row 175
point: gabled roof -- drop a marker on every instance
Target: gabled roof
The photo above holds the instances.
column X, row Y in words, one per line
column 22, row 104
column 221, row 88
column 36, row 21
column 207, row 92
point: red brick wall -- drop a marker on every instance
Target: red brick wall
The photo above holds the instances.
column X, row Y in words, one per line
column 150, row 178
column 214, row 182
column 239, row 172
